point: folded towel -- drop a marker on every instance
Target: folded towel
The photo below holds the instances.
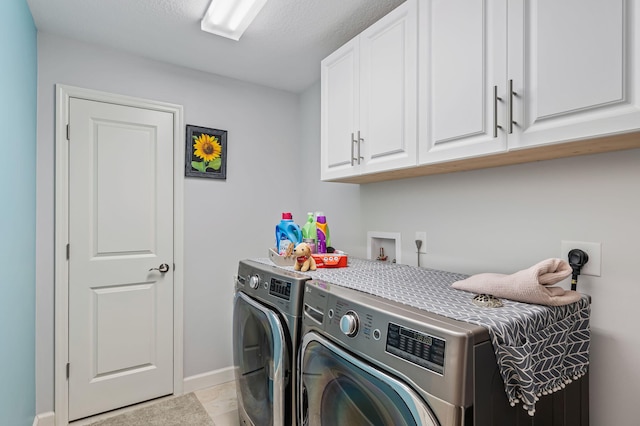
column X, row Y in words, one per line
column 530, row 285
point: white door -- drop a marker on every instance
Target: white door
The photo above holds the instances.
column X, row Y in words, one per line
column 388, row 90
column 462, row 79
column 574, row 64
column 120, row 228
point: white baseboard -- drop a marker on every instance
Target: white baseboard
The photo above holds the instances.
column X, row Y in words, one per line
column 45, row 419
column 208, row 379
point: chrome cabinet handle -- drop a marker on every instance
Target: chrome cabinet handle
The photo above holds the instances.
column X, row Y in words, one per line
column 353, row 141
column 162, row 268
column 511, row 95
column 360, row 140
column 496, row 98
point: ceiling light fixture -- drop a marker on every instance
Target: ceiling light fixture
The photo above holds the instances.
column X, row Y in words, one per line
column 230, row 18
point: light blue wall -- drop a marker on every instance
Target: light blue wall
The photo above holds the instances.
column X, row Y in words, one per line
column 18, row 84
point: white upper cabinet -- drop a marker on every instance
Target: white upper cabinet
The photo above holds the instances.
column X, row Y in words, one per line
column 463, row 70
column 369, row 99
column 575, row 69
column 339, row 118
column 500, row 75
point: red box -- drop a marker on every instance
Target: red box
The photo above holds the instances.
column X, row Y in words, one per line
column 330, row 260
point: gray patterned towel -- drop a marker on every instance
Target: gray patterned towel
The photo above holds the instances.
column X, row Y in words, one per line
column 539, row 348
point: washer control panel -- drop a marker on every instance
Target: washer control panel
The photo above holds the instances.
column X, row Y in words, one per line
column 273, row 286
column 280, row 288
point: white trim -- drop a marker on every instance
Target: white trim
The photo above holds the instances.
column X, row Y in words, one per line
column 45, row 419
column 208, row 379
column 61, row 277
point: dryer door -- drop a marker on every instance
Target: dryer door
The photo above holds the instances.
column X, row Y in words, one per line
column 261, row 359
column 340, row 389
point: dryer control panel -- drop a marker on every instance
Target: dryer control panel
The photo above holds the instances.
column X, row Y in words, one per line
column 420, row 348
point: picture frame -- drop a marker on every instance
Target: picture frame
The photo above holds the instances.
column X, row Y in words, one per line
column 206, row 152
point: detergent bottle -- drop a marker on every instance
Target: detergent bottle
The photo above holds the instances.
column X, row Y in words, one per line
column 309, row 232
column 322, row 232
column 287, row 232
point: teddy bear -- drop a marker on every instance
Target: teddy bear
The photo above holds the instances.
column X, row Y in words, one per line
column 304, row 260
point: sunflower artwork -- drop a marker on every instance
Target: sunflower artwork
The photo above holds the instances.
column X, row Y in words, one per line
column 206, row 152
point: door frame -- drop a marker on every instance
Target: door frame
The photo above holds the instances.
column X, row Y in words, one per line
column 61, row 238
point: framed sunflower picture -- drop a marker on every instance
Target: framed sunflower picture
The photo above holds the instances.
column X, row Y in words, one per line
column 206, row 153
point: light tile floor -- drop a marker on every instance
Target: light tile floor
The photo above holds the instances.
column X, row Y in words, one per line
column 220, row 402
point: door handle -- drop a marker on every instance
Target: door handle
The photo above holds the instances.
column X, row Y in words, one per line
column 162, row 268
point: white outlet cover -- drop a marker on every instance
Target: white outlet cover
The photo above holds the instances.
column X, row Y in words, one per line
column 593, row 250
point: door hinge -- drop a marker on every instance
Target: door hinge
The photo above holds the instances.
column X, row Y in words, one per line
column 68, row 370
column 68, row 138
column 67, row 251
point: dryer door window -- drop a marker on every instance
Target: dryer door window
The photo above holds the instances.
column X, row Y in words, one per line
column 260, row 354
column 340, row 389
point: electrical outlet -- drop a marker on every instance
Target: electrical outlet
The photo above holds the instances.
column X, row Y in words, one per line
column 593, row 250
column 422, row 236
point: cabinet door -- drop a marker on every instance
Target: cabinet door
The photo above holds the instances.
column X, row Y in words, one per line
column 388, row 91
column 463, row 67
column 339, row 111
column 574, row 64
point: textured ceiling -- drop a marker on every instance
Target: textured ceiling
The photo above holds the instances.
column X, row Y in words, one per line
column 282, row 48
